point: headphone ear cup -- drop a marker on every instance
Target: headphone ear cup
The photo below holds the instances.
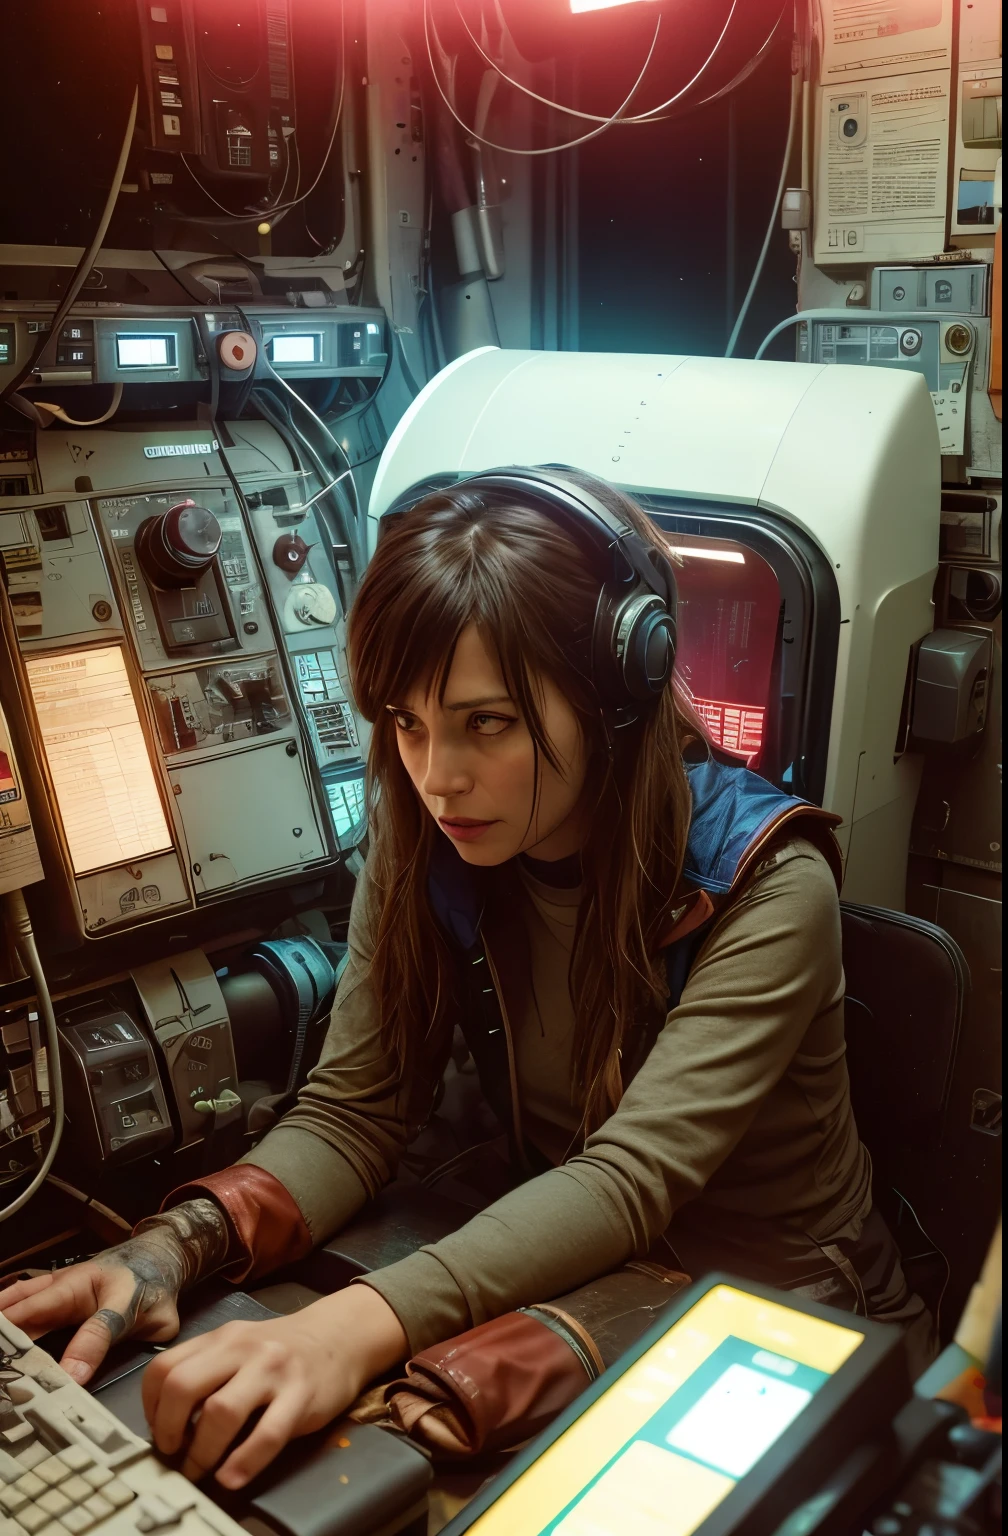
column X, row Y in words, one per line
column 648, row 648
column 635, row 643
column 656, row 640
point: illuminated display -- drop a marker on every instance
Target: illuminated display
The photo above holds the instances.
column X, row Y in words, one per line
column 145, row 351
column 98, row 758
column 669, row 1440
column 6, row 344
column 729, row 616
column 294, row 349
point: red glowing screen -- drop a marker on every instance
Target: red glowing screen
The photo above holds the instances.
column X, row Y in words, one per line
column 729, row 608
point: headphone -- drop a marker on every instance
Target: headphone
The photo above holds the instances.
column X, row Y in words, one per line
column 634, row 634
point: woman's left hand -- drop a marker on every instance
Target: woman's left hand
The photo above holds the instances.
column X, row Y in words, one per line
column 302, row 1370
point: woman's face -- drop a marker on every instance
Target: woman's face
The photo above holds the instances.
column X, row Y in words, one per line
column 472, row 762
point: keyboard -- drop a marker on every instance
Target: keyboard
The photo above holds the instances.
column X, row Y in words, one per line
column 68, row 1467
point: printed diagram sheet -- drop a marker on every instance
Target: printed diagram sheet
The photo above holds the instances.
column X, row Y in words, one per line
column 881, row 190
column 98, row 758
column 884, row 37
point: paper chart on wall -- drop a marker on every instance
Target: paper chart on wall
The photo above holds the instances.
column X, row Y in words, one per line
column 868, row 38
column 883, row 152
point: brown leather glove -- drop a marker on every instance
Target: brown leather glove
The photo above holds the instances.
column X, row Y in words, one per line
column 497, row 1385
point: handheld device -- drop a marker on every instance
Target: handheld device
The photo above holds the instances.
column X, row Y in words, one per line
column 721, row 1420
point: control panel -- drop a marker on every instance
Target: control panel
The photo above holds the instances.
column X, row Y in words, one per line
column 183, row 639
column 163, row 346
column 948, row 345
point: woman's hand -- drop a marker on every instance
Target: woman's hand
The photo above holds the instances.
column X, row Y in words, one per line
column 302, row 1370
column 132, row 1289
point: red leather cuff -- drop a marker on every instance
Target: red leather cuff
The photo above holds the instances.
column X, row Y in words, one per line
column 488, row 1389
column 265, row 1222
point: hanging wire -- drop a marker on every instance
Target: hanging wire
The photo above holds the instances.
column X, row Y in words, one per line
column 643, row 117
column 757, row 274
column 941, row 1254
column 551, row 149
column 248, row 217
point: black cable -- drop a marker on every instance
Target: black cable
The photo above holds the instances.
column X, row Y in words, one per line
column 80, row 273
column 273, row 410
column 358, row 543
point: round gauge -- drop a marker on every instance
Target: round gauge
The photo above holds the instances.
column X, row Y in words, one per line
column 959, row 338
column 911, row 342
column 310, row 605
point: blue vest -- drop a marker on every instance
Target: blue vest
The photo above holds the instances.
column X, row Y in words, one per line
column 734, row 815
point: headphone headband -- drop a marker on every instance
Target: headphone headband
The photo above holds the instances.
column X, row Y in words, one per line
column 610, row 537
column 634, row 633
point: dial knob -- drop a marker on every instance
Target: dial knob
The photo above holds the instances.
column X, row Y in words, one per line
column 177, row 546
column 290, row 552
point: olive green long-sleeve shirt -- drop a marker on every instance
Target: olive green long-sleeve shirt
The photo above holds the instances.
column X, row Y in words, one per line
column 734, row 1146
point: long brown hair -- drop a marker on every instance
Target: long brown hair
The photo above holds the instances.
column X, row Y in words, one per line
column 530, row 589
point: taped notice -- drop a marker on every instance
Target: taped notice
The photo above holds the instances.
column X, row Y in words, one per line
column 20, row 864
column 98, row 758
column 870, row 38
column 882, row 180
column 950, row 410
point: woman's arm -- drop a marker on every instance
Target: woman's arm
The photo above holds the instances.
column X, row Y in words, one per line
column 132, row 1289
column 771, row 964
column 339, row 1145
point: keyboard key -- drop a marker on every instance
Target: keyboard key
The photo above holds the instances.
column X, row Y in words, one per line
column 76, row 1490
column 54, row 1503
column 11, row 1500
column 32, row 1455
column 9, row 1527
column 117, row 1493
column 98, row 1477
column 154, row 1513
column 53, row 1471
column 32, row 1519
column 77, row 1521
column 30, row 1485
column 99, row 1507
column 10, row 1470
column 54, row 1528
column 77, row 1458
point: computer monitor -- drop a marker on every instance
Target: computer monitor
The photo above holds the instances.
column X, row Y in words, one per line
column 728, row 1413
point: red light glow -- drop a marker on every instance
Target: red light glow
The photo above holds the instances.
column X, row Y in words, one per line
column 578, row 6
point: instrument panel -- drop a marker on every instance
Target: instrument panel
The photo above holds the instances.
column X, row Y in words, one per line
column 164, row 346
column 183, row 641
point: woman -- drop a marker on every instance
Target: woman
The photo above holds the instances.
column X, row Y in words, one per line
column 644, row 955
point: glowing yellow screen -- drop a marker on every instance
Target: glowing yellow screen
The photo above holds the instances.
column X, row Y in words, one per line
column 670, row 1439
